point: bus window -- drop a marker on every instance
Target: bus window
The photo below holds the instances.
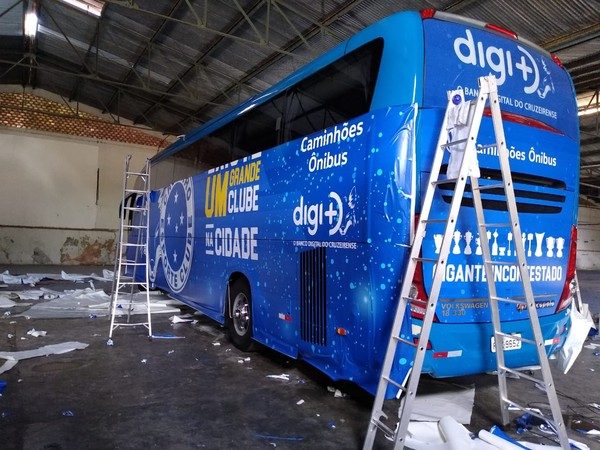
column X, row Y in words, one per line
column 259, row 128
column 335, row 94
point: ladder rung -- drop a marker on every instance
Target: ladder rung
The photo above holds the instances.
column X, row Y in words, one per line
column 425, row 260
column 383, row 427
column 434, row 221
column 404, row 341
column 509, row 300
column 496, row 225
column 132, row 264
column 523, row 375
column 515, row 337
column 126, row 283
column 490, row 186
column 395, row 383
column 138, row 324
column 135, row 208
column 140, row 174
column 528, row 410
column 127, row 244
column 502, row 263
column 453, row 143
column 134, row 226
column 446, row 181
column 136, row 191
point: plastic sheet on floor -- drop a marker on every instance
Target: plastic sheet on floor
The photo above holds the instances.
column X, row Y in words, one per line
column 581, row 323
column 12, row 358
column 456, row 401
column 85, row 302
column 34, row 278
column 6, row 302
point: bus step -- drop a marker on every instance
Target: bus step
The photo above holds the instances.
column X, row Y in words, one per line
column 395, row 383
column 521, row 374
column 433, row 260
column 446, row 181
column 516, row 337
column 453, row 143
column 489, row 186
column 404, row 341
column 509, row 300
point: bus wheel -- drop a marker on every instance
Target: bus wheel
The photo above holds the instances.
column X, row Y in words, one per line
column 239, row 325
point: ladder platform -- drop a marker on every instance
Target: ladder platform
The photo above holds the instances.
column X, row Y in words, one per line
column 454, row 143
column 445, row 181
column 139, row 174
column 495, row 225
column 383, row 427
column 434, row 221
column 489, row 186
column 509, row 300
column 395, row 383
column 527, row 410
column 405, row 341
column 523, row 375
column 431, row 260
column 516, row 337
column 501, row 263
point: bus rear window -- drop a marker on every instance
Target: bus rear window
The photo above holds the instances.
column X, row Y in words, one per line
column 530, row 83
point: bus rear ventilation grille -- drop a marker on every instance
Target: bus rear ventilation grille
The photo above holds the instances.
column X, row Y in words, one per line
column 313, row 296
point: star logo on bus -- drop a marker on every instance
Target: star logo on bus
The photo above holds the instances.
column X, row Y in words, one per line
column 176, row 234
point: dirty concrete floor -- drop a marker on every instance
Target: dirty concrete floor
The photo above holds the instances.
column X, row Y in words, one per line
column 192, row 393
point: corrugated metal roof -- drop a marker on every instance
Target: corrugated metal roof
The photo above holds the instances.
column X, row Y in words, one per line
column 168, row 66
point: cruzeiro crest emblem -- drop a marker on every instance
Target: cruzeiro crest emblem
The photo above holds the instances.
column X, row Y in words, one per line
column 175, row 234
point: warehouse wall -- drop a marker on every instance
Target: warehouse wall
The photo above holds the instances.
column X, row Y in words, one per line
column 60, row 199
column 588, row 239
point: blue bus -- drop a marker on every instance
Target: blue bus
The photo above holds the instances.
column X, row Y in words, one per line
column 289, row 218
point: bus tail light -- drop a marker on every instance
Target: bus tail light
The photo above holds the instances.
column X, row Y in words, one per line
column 428, row 13
column 567, row 295
column 418, row 304
column 557, row 60
column 501, row 30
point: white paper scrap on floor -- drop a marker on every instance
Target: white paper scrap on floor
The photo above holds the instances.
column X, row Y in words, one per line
column 12, row 358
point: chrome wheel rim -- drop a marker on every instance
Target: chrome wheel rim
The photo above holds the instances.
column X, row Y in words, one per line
column 241, row 314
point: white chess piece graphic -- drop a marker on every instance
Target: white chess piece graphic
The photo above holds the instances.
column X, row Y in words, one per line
column 478, row 243
column 529, row 239
column 539, row 240
column 502, row 251
column 456, row 248
column 510, row 238
column 495, row 244
column 468, row 239
column 437, row 240
column 560, row 245
column 550, row 246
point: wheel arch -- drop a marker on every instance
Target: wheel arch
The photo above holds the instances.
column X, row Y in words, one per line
column 233, row 277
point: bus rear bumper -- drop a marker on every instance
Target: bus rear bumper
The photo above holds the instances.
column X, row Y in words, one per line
column 466, row 348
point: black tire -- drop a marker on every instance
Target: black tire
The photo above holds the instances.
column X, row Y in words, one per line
column 239, row 325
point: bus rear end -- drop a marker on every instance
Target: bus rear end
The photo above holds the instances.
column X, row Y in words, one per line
column 541, row 126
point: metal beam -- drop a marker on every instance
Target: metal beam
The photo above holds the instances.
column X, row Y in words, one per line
column 274, row 57
column 572, row 39
column 146, row 49
column 208, row 49
column 78, row 81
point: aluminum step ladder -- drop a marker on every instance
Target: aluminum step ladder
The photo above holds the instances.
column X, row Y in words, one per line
column 132, row 249
column 488, row 92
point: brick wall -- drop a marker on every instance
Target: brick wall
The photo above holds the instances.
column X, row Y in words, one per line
column 28, row 111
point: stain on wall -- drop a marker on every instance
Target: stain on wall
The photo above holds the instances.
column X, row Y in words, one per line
column 82, row 250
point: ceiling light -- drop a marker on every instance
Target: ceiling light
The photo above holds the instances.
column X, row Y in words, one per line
column 93, row 7
column 588, row 111
column 31, row 24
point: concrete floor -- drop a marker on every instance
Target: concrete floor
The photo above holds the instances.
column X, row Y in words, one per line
column 191, row 393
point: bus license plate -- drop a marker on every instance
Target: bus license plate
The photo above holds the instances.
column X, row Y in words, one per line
column 509, row 343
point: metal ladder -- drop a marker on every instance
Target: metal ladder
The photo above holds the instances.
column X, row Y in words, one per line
column 133, row 238
column 488, row 91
